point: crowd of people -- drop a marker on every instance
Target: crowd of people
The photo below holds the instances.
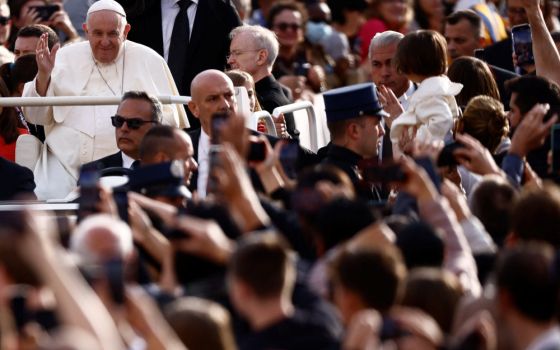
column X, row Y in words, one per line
column 431, row 220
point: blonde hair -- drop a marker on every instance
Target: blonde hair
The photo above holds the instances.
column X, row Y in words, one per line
column 484, row 118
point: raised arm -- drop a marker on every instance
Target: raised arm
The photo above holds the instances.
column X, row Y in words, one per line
column 45, row 63
column 547, row 60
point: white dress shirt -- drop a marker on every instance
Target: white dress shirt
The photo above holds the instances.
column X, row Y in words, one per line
column 170, row 10
column 203, row 163
column 127, row 161
column 547, row 340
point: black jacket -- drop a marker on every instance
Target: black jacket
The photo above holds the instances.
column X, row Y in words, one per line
column 347, row 161
column 111, row 161
column 271, row 95
column 15, row 179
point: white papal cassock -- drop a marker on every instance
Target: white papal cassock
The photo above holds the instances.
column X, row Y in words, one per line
column 79, row 134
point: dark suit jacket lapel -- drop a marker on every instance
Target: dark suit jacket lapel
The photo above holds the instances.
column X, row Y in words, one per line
column 195, row 137
column 153, row 21
column 115, row 160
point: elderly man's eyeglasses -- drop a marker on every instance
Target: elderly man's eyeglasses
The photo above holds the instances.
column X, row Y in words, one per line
column 133, row 123
column 4, row 20
column 236, row 53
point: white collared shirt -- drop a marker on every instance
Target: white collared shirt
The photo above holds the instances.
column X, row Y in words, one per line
column 404, row 98
column 547, row 340
column 169, row 10
column 203, row 163
column 127, row 161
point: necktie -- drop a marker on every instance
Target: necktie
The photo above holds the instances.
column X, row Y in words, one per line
column 179, row 42
column 135, row 165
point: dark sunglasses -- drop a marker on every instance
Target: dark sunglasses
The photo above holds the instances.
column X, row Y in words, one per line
column 133, row 123
column 4, row 20
column 283, row 26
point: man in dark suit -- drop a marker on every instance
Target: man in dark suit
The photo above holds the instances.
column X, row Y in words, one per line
column 15, row 180
column 209, row 24
column 463, row 32
column 138, row 112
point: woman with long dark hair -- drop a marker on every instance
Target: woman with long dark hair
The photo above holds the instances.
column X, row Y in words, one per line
column 10, row 127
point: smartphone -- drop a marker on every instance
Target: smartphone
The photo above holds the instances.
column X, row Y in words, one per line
column 446, row 156
column 302, row 69
column 45, row 12
column 555, row 148
column 257, row 151
column 89, row 190
column 373, row 172
column 289, row 157
column 121, row 199
column 114, row 272
column 218, row 121
column 391, row 330
column 479, row 53
column 522, row 44
column 214, row 161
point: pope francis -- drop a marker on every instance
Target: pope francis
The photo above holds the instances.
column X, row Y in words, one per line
column 106, row 65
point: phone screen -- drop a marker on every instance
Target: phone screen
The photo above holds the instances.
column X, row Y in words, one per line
column 523, row 44
column 479, row 53
column 89, row 191
column 121, row 199
column 218, row 122
column 257, row 151
column 289, row 157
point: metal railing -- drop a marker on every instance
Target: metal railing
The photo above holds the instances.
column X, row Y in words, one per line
column 266, row 117
column 80, row 100
column 311, row 117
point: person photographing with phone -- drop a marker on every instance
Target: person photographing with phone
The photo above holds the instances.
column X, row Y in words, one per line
column 49, row 13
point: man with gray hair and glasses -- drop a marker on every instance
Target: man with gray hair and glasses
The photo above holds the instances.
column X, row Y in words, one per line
column 393, row 87
column 254, row 49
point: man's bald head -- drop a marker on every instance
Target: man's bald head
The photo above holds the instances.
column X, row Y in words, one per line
column 212, row 92
column 207, row 77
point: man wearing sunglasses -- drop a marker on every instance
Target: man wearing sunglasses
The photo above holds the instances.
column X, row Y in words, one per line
column 138, row 112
